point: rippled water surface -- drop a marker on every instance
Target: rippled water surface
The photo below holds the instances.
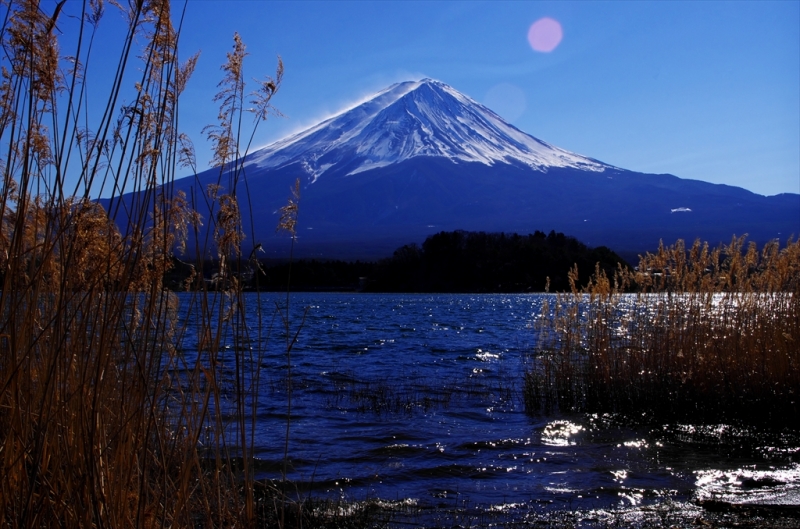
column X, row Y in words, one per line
column 418, row 397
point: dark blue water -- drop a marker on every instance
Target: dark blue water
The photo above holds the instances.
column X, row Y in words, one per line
column 418, row 398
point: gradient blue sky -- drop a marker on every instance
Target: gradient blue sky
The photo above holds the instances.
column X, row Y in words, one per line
column 704, row 90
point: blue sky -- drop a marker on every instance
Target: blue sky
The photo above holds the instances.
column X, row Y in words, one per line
column 703, row 90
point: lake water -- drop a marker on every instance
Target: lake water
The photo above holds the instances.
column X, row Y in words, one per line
column 417, row 398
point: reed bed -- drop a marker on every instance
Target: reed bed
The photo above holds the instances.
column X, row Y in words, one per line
column 696, row 335
column 110, row 415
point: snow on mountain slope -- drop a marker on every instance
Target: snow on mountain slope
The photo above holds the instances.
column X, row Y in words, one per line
column 412, row 119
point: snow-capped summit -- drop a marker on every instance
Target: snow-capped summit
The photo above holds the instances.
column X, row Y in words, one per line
column 412, row 119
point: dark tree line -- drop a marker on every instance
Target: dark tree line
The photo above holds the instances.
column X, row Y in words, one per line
column 457, row 261
column 313, row 275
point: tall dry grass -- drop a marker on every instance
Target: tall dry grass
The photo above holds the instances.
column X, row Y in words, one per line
column 697, row 334
column 106, row 417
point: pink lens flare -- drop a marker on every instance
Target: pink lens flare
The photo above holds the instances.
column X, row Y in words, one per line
column 545, row 34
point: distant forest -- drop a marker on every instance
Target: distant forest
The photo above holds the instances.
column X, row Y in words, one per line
column 457, row 261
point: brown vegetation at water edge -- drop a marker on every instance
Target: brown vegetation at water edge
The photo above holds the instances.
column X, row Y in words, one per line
column 696, row 335
column 107, row 417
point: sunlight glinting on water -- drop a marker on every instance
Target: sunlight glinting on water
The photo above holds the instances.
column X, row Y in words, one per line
column 560, row 433
column 750, row 484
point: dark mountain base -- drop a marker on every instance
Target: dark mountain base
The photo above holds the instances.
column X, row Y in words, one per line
column 368, row 215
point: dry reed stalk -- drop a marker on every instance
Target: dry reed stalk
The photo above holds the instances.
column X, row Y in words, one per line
column 104, row 419
column 706, row 336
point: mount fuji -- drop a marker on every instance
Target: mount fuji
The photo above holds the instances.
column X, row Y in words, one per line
column 410, row 120
column 420, row 157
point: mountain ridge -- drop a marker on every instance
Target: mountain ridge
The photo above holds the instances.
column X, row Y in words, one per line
column 411, row 119
column 420, row 158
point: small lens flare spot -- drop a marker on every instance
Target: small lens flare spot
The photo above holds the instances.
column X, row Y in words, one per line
column 507, row 100
column 545, row 34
